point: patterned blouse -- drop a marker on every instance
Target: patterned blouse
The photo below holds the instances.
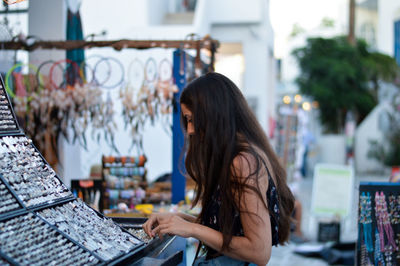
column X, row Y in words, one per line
column 212, row 213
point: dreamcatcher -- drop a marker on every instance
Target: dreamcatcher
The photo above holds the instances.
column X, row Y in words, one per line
column 165, row 93
column 133, row 112
column 104, row 79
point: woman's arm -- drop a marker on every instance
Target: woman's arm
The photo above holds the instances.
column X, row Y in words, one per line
column 187, row 217
column 255, row 245
column 159, row 218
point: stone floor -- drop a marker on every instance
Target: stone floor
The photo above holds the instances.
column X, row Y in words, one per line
column 284, row 255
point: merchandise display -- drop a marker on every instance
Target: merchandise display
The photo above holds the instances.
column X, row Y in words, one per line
column 286, row 142
column 134, row 226
column 42, row 222
column 29, row 240
column 379, row 224
column 30, row 177
column 7, row 118
column 8, row 201
column 125, row 180
column 97, row 234
column 90, row 191
column 141, row 234
column 34, row 196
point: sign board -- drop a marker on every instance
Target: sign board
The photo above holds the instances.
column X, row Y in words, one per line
column 333, row 189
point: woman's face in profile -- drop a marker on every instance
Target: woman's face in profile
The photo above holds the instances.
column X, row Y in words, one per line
column 187, row 114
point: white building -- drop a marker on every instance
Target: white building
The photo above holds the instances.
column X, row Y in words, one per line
column 379, row 26
column 245, row 55
column 375, row 22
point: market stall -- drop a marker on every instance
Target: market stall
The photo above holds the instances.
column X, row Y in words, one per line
column 37, row 207
column 41, row 208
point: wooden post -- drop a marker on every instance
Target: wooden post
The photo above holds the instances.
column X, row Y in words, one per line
column 352, row 14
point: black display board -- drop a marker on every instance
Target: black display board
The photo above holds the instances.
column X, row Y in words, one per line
column 379, row 224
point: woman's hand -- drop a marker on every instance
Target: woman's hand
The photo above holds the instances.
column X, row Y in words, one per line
column 155, row 220
column 174, row 225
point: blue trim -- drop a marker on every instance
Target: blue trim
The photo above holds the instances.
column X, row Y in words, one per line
column 397, row 41
column 379, row 184
column 178, row 180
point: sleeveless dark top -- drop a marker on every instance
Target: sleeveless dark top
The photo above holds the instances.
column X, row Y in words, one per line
column 211, row 215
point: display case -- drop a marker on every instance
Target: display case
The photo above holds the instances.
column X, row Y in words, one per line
column 379, row 224
column 41, row 221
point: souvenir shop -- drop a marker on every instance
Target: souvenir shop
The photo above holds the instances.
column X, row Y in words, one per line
column 97, row 220
column 45, row 218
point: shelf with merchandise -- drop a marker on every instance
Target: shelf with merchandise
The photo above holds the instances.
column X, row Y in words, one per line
column 125, row 181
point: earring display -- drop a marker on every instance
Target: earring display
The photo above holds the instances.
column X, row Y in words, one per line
column 7, row 121
column 365, row 220
column 99, row 235
column 30, row 241
column 7, row 201
column 379, row 228
column 29, row 176
column 394, row 208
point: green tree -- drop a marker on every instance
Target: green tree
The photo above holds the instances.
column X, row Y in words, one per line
column 342, row 77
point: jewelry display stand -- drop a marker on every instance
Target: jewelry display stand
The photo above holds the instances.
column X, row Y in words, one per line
column 41, row 221
column 379, row 224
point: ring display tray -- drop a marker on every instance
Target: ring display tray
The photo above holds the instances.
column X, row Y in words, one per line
column 26, row 239
column 9, row 204
column 28, row 175
column 90, row 229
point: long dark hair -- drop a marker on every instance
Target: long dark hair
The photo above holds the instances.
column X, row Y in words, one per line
column 225, row 127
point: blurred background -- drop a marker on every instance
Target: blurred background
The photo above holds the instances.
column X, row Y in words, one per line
column 321, row 76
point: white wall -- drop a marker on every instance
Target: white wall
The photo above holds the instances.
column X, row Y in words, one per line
column 156, row 11
column 115, row 17
column 366, row 25
column 235, row 11
column 366, row 131
column 388, row 12
column 47, row 26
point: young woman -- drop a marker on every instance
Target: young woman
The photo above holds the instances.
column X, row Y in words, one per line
column 246, row 203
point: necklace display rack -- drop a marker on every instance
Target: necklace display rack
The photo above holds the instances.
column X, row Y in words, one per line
column 42, row 222
column 378, row 224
